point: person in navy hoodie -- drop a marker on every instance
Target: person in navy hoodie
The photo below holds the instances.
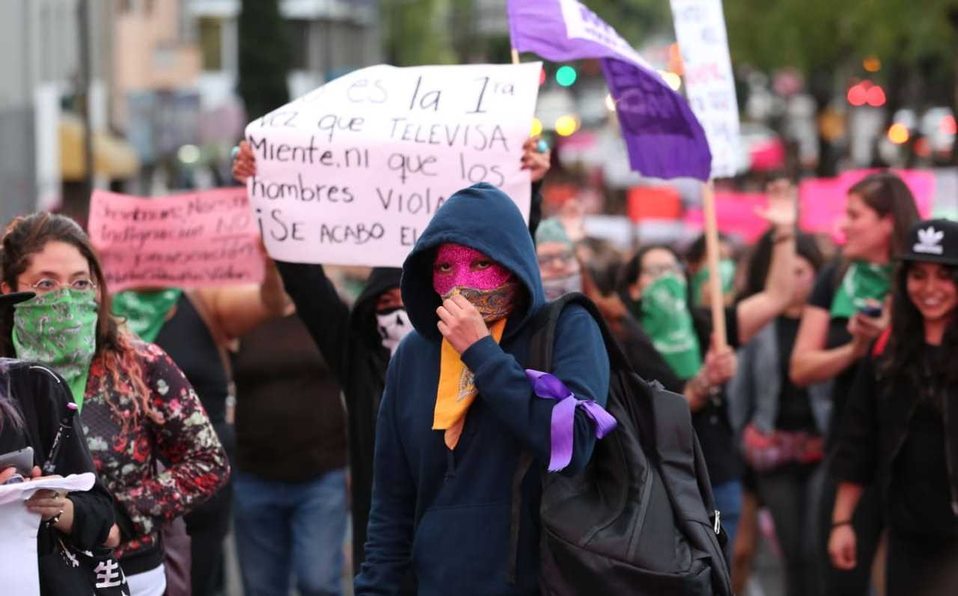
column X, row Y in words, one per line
column 458, row 408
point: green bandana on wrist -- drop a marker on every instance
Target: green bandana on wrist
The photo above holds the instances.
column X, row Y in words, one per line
column 666, row 319
column 726, row 275
column 145, row 312
column 59, row 330
column 862, row 283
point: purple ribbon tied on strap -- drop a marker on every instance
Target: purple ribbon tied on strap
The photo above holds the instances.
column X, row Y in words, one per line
column 549, row 386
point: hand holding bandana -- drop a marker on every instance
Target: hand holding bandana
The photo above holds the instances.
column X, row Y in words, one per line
column 464, row 273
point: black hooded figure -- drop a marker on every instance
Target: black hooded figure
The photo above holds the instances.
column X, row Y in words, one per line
column 351, row 344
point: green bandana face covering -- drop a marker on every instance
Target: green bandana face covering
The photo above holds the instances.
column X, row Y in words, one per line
column 863, row 283
column 145, row 312
column 666, row 318
column 726, row 275
column 59, row 330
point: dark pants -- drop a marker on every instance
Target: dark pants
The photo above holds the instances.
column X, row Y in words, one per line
column 868, row 523
column 208, row 526
column 791, row 494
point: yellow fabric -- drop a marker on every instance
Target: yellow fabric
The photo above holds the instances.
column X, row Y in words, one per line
column 457, row 389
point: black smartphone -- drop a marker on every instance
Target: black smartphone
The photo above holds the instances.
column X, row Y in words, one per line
column 870, row 311
column 22, row 460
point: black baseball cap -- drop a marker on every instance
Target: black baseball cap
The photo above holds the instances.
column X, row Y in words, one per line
column 14, row 298
column 932, row 240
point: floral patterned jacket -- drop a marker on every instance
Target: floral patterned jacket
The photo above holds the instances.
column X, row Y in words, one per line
column 127, row 447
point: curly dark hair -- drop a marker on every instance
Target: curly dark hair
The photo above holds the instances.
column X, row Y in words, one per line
column 902, row 356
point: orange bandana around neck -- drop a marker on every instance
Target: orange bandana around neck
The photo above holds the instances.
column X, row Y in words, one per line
column 457, row 389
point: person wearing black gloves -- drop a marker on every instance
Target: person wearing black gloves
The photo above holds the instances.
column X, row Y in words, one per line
column 899, row 429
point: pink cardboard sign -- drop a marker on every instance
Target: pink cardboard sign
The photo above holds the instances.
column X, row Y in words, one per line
column 188, row 240
column 822, row 200
column 735, row 212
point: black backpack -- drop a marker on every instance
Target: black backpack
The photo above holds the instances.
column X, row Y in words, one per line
column 640, row 519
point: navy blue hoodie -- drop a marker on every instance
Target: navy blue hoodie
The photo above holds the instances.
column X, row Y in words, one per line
column 445, row 515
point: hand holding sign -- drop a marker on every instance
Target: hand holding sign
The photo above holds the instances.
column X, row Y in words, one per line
column 350, row 173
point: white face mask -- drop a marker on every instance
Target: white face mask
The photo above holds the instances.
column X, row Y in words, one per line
column 561, row 286
column 393, row 325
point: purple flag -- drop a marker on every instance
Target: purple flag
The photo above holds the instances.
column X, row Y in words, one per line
column 663, row 137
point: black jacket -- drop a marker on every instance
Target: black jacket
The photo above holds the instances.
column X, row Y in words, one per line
column 351, row 346
column 876, row 426
column 41, row 397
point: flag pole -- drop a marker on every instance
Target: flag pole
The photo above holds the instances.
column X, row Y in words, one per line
column 716, row 302
column 515, row 56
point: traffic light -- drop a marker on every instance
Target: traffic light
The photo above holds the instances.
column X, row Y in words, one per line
column 566, row 75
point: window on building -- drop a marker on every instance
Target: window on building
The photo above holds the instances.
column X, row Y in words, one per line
column 211, row 43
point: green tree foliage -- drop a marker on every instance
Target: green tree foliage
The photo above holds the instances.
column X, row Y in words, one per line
column 417, row 32
column 818, row 36
column 264, row 57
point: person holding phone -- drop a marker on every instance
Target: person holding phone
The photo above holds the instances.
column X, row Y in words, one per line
column 835, row 333
column 898, row 433
column 33, row 402
column 137, row 409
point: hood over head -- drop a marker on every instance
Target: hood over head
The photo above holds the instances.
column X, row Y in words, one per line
column 363, row 320
column 483, row 218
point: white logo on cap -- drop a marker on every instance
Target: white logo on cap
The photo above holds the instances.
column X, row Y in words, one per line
column 929, row 241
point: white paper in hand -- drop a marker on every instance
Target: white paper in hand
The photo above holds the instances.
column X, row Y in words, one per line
column 19, row 527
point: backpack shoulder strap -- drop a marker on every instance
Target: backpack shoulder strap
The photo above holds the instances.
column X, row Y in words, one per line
column 541, row 347
column 545, row 322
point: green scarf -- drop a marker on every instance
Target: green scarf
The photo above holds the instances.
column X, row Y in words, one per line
column 59, row 330
column 145, row 312
column 666, row 319
column 726, row 275
column 863, row 283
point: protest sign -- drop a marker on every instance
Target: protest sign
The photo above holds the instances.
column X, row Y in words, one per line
column 351, row 173
column 709, row 83
column 185, row 241
column 661, row 133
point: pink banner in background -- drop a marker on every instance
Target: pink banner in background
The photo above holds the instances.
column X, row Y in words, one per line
column 189, row 240
column 821, row 204
column 735, row 212
column 822, row 200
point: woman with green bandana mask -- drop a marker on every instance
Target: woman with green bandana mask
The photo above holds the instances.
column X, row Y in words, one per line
column 845, row 313
column 655, row 287
column 699, row 273
column 137, row 408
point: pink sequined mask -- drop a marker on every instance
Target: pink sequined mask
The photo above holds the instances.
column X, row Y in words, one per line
column 458, row 266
